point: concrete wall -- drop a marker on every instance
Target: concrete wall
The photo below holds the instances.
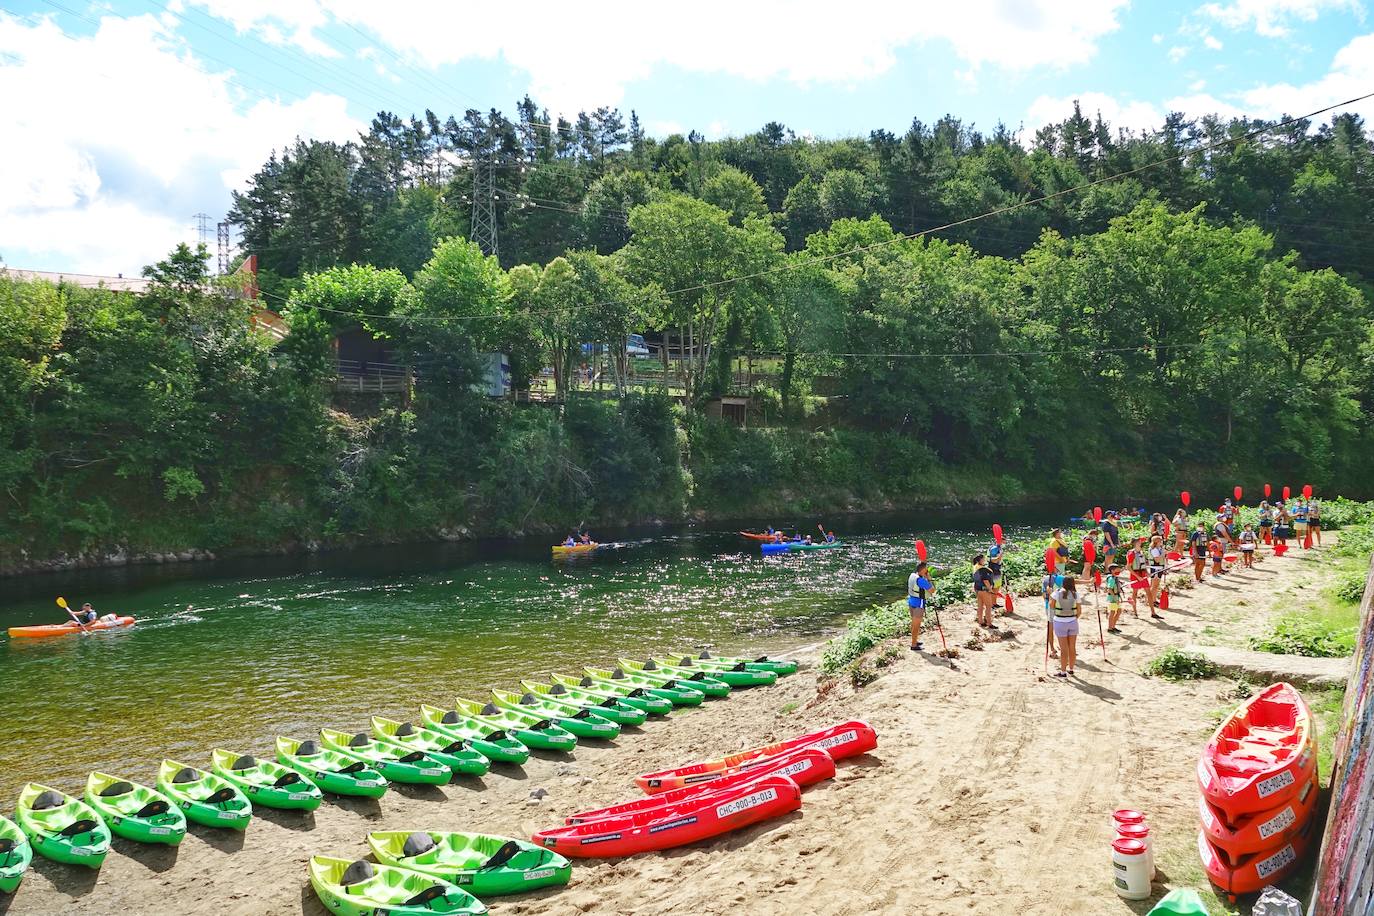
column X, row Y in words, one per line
column 1345, row 871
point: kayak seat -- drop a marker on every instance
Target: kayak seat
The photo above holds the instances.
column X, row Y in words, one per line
column 527, row 699
column 220, row 797
column 76, row 828
column 636, row 693
column 509, row 850
column 116, row 788
column 405, row 730
column 153, row 809
column 582, row 714
column 609, row 703
column 246, row 762
column 557, row 690
column 413, row 757
column 542, row 724
column 361, row 739
column 586, row 682
column 6, row 845
column 450, row 718
column 48, row 800
column 454, row 747
column 490, row 710
column 356, row 766
column 357, row 873
column 617, row 675
column 428, row 895
column 185, row 775
column 416, row 844
column 650, row 665
column 286, row 779
column 308, row 748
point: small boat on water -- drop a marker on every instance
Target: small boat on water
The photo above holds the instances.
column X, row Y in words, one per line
column 761, row 536
column 70, row 628
column 797, row 546
column 574, row 550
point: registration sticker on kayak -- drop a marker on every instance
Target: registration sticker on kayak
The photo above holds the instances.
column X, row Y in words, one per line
column 1267, row 787
column 299, row 796
column 228, row 815
column 792, row 769
column 82, row 851
column 433, row 771
column 160, row 831
column 680, row 822
column 538, row 873
column 753, row 800
column 1281, row 821
column 837, row 740
column 604, row 838
column 1285, row 856
column 369, row 783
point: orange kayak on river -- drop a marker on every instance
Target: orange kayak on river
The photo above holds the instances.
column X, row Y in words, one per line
column 47, row 631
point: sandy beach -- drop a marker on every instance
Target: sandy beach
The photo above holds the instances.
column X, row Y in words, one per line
column 989, row 791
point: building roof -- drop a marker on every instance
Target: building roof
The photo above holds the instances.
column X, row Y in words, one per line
column 118, row 283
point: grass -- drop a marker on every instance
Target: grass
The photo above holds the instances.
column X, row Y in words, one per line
column 1327, row 628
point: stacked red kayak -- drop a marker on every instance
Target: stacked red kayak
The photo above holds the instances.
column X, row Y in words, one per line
column 1258, row 779
column 719, row 798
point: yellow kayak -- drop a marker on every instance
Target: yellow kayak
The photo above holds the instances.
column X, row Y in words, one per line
column 561, row 550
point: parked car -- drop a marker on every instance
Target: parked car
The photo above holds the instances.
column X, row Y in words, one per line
column 634, row 346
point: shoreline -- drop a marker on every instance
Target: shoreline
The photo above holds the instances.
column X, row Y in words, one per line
column 986, row 768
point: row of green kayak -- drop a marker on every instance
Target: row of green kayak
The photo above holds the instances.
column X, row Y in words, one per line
column 463, row 740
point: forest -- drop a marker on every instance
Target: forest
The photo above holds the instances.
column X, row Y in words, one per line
column 1204, row 318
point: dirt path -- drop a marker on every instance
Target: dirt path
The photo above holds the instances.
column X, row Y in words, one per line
column 989, row 792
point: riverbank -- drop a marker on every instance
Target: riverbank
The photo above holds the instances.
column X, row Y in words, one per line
column 988, row 793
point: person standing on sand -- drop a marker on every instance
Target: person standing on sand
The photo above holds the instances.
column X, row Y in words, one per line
column 1155, row 558
column 1047, row 587
column 995, row 567
column 1217, row 548
column 1283, row 529
column 918, row 591
column 1266, row 521
column 1197, row 547
column 1314, row 520
column 1113, row 586
column 983, row 591
column 1066, row 610
column 1180, row 530
column 1138, row 564
column 1300, row 521
column 1247, row 546
column 1111, row 539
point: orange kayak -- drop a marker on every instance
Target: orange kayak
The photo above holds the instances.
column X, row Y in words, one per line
column 47, row 631
column 1262, row 756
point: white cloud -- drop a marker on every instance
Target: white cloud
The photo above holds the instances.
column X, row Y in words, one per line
column 1271, row 18
column 577, row 58
column 1177, row 53
column 1198, row 104
column 1197, row 86
column 1211, row 42
column 664, row 128
column 113, row 140
column 1131, row 115
column 1351, row 75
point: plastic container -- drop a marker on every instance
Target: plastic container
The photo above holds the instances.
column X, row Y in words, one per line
column 1142, row 833
column 1126, row 816
column 1130, row 869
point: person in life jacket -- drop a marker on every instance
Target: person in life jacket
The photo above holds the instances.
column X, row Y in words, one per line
column 1217, row 549
column 919, row 588
column 1197, row 549
column 1138, row 565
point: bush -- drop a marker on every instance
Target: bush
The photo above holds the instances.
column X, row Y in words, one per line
column 860, row 674
column 1298, row 635
column 1177, row 665
column 1350, row 588
column 865, row 630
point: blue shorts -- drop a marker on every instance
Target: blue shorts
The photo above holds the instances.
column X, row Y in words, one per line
column 915, row 604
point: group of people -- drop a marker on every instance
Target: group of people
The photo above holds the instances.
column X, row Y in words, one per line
column 1147, row 559
column 584, row 539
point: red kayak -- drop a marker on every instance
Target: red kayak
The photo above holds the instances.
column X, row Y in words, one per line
column 1252, row 873
column 804, row 767
column 767, row 538
column 847, row 739
column 1253, row 833
column 1261, row 756
column 711, row 814
column 47, row 631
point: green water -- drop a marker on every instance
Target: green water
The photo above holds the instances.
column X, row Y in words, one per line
column 229, row 654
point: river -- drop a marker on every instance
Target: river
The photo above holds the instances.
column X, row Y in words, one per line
column 230, row 653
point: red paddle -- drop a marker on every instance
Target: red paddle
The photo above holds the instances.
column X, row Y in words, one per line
column 997, row 533
column 1090, row 557
column 1236, row 493
column 920, row 550
column 1307, row 491
column 1267, row 490
column 1286, row 491
column 1097, row 513
column 1186, row 498
column 1050, row 558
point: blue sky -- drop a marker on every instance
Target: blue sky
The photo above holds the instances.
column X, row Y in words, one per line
column 129, row 116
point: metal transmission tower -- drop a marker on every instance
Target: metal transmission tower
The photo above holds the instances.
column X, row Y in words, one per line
column 484, row 194
column 222, row 236
column 203, row 226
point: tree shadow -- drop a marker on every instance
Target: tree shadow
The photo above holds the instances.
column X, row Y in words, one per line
column 72, row 880
column 156, row 857
column 218, row 837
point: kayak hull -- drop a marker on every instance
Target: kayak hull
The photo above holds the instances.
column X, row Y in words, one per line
column 634, row 697
column 386, row 759
column 584, row 724
column 121, row 812
column 739, row 675
column 1256, row 832
column 1262, row 755
column 691, row 821
column 462, row 760
column 44, row 828
column 480, row 736
column 804, row 766
column 579, row 550
column 1252, row 873
column 532, row 731
column 664, row 688
column 386, row 892
column 51, row 631
column 260, row 783
column 779, row 666
column 233, row 812
column 574, row 699
column 14, row 862
column 462, row 859
column 846, row 739
column 698, row 680
column 326, row 770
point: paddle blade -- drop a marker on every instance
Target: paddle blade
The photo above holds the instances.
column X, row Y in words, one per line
column 997, row 533
column 920, row 550
column 62, row 603
column 1050, row 558
column 1286, row 493
column 1307, row 491
column 1185, row 497
column 1307, row 540
column 1236, row 493
column 1097, row 578
column 1267, row 490
column 1097, row 513
column 1089, row 551
column 1167, row 527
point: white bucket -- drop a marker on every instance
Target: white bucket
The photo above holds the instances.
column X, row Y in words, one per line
column 1142, row 833
column 1130, row 869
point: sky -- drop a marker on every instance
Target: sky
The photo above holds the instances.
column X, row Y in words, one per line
column 123, row 119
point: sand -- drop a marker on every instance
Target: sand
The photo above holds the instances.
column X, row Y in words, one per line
column 989, row 792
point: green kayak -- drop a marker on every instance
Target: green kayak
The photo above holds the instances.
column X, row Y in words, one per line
column 627, row 694
column 363, row 889
column 697, row 680
column 735, row 676
column 62, row 828
column 265, row 782
column 15, row 855
column 333, row 772
column 135, row 812
column 394, row 762
column 454, row 754
column 779, row 666
column 485, row 866
column 204, row 798
column 486, row 738
column 573, row 699
column 670, row 690
column 527, row 728
column 582, row 723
